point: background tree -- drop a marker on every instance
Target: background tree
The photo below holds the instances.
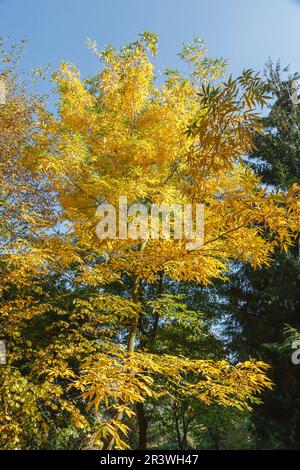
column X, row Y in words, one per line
column 262, row 302
column 29, row 277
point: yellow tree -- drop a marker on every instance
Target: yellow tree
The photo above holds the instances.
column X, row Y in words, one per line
column 28, row 214
column 124, row 133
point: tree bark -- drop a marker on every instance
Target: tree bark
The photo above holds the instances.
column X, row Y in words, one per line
column 142, row 426
column 108, row 445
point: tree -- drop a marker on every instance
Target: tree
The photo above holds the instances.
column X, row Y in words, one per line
column 261, row 303
column 96, row 303
column 28, row 213
column 121, row 133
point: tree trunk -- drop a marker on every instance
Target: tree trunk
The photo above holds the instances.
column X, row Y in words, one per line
column 142, row 426
column 108, row 445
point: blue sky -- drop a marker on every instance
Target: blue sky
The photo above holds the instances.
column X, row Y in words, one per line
column 245, row 32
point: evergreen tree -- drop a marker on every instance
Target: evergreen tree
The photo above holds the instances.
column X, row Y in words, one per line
column 261, row 303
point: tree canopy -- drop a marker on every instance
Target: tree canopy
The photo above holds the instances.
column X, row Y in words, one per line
column 82, row 316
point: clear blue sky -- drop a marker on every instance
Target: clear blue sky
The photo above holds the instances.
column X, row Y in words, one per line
column 245, row 32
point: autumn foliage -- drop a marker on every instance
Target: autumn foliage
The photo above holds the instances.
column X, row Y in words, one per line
column 77, row 312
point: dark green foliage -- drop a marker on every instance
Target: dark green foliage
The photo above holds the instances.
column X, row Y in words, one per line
column 261, row 303
column 277, row 154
